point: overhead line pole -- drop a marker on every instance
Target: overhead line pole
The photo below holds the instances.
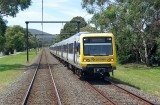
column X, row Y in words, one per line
column 42, row 25
column 27, row 40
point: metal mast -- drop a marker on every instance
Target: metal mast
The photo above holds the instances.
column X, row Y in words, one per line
column 42, row 25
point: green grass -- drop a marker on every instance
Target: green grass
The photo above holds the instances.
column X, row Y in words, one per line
column 10, row 67
column 140, row 76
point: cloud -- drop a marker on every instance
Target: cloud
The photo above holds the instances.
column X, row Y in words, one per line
column 50, row 3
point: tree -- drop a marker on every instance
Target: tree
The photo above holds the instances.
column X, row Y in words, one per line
column 12, row 7
column 136, row 29
column 94, row 6
column 15, row 38
column 140, row 21
column 9, row 8
column 71, row 28
column 89, row 28
column 2, row 32
column 33, row 41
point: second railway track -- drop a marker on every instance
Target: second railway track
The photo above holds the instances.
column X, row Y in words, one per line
column 112, row 94
column 130, row 94
column 42, row 89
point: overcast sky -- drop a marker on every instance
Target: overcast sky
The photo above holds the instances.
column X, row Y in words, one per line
column 54, row 10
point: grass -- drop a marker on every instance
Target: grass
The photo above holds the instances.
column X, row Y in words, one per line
column 140, row 76
column 10, row 67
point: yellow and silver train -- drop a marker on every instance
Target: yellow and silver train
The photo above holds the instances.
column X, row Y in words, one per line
column 87, row 53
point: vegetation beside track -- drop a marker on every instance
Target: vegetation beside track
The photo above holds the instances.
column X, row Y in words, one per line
column 140, row 76
column 11, row 67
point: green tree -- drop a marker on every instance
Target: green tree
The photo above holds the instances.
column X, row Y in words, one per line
column 89, row 28
column 136, row 29
column 156, row 57
column 2, row 32
column 9, row 8
column 15, row 38
column 12, row 7
column 71, row 28
column 33, row 41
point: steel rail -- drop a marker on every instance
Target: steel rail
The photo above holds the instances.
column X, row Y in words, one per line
column 101, row 94
column 31, row 83
column 133, row 94
column 106, row 100
column 53, row 81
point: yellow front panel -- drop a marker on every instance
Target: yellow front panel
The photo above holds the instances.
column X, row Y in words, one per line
column 98, row 60
column 111, row 59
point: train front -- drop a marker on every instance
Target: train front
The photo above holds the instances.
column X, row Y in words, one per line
column 98, row 54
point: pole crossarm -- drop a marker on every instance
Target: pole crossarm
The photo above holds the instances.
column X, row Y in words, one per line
column 52, row 21
column 57, row 34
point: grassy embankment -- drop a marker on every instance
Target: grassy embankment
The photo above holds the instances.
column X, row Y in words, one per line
column 10, row 67
column 142, row 77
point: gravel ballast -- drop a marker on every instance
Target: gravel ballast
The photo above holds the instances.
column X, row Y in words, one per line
column 140, row 93
column 42, row 91
column 72, row 90
column 123, row 98
column 14, row 93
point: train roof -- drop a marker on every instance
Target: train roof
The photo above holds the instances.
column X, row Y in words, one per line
column 84, row 34
column 89, row 34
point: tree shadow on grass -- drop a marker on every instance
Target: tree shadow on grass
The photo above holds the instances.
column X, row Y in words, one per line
column 7, row 67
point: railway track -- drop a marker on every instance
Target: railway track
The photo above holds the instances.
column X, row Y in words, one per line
column 37, row 90
column 145, row 101
column 104, row 97
column 109, row 100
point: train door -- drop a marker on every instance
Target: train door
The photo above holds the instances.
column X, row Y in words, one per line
column 67, row 51
column 74, row 52
column 61, row 51
column 77, row 52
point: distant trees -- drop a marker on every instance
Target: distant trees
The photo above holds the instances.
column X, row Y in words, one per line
column 16, row 40
column 135, row 23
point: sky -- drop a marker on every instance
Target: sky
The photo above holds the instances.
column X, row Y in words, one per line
column 53, row 10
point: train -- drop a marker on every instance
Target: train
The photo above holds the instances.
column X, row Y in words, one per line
column 87, row 54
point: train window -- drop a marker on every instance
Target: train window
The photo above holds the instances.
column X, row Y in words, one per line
column 58, row 48
column 98, row 46
column 71, row 48
column 64, row 49
column 97, row 40
column 86, row 40
column 78, row 47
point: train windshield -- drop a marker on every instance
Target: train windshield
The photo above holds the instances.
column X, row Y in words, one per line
column 97, row 46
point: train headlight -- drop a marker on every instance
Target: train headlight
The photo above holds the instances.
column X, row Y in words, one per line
column 86, row 60
column 110, row 60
